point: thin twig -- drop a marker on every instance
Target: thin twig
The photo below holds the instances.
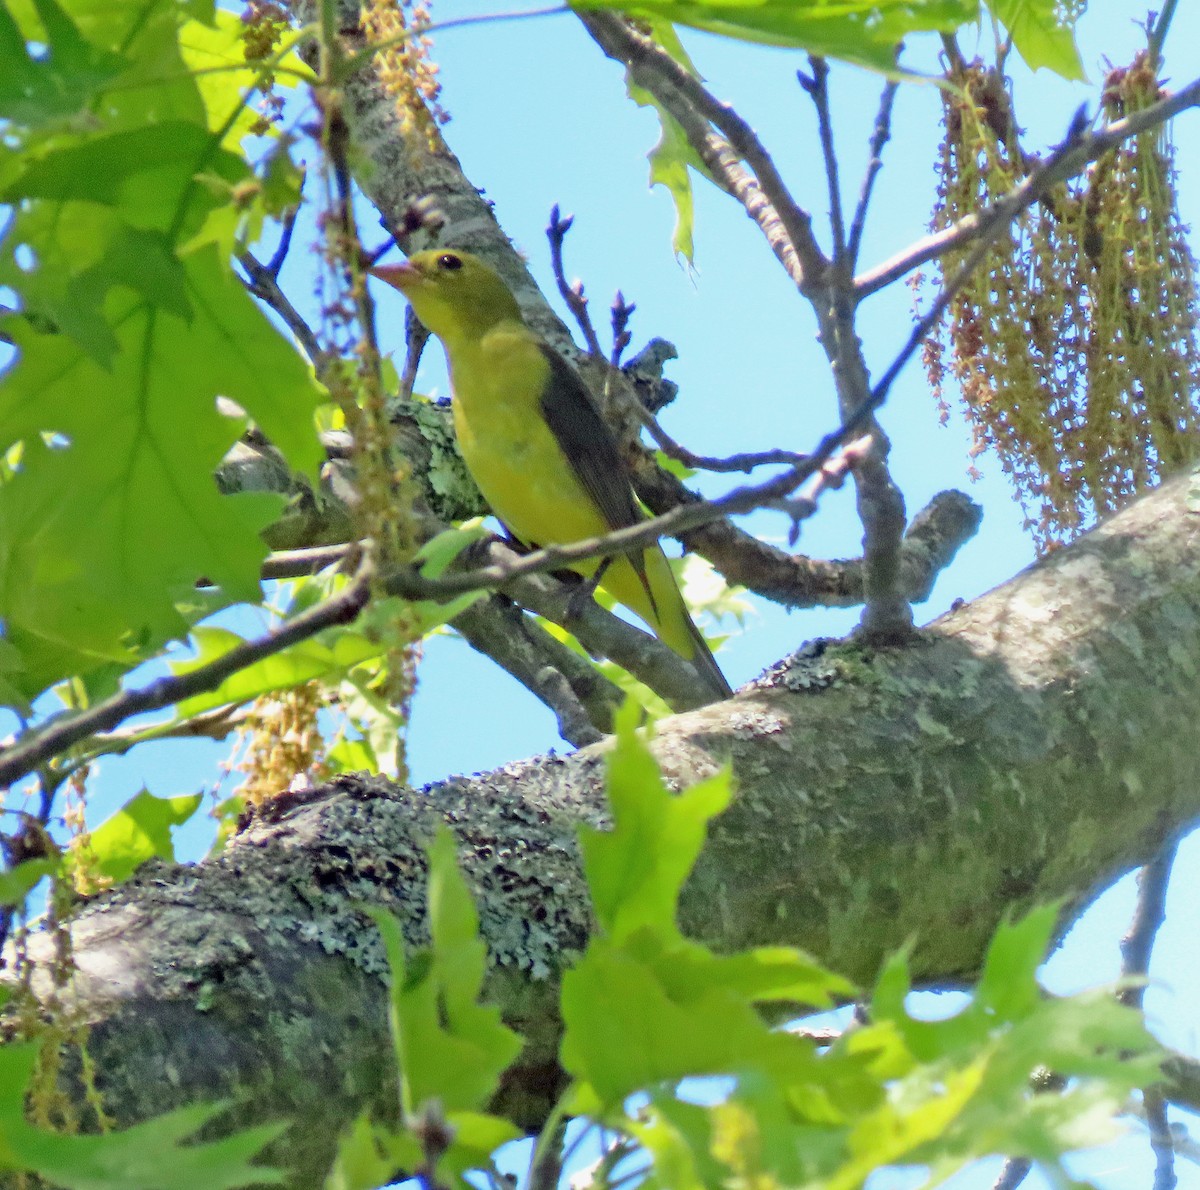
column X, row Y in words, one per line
column 816, row 87
column 285, row 236
column 416, row 339
column 953, row 54
column 1148, row 916
column 745, row 463
column 297, row 563
column 1012, row 1173
column 1070, row 158
column 65, row 729
column 262, row 283
column 829, row 478
column 622, row 312
column 1136, row 949
column 1158, row 32
column 572, row 294
column 879, row 137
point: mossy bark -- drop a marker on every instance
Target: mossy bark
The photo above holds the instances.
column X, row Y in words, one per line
column 1028, row 747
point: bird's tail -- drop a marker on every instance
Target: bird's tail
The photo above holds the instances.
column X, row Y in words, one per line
column 705, row 663
column 650, row 590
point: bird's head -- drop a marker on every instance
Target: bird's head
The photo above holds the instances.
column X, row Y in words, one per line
column 453, row 293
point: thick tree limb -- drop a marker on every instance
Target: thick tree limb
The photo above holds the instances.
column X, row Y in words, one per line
column 1029, row 746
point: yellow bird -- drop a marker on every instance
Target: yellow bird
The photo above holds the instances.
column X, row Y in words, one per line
column 537, row 446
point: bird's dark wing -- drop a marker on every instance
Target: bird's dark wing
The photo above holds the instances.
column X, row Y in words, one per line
column 589, row 446
column 588, row 443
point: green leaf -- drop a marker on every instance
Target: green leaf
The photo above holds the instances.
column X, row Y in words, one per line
column 436, row 555
column 138, row 831
column 476, row 1137
column 112, row 170
column 16, row 883
column 352, row 756
column 362, row 1162
column 37, row 90
column 214, row 49
column 134, row 1159
column 862, row 31
column 328, row 656
column 449, row 1047
column 627, row 1031
column 678, row 1137
column 101, row 536
column 766, row 975
column 673, row 156
column 635, row 870
column 1042, row 33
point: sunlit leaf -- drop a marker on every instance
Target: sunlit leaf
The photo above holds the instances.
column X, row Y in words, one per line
column 449, row 1047
column 133, row 1159
column 138, row 831
column 1042, row 34
column 862, row 31
column 636, row 870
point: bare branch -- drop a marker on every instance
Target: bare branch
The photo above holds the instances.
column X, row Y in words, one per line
column 546, row 1164
column 285, row 238
column 1157, row 31
column 1080, row 148
column 1136, row 948
column 65, row 729
column 744, row 463
column 582, row 698
column 297, row 563
column 261, row 280
column 929, row 545
column 416, row 338
column 572, row 294
column 879, row 137
column 622, row 312
column 816, row 87
column 1012, row 1173
column 602, row 634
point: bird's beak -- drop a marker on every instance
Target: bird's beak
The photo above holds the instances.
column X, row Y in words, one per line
column 398, row 276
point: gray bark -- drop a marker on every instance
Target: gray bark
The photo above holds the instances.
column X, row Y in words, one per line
column 1030, row 746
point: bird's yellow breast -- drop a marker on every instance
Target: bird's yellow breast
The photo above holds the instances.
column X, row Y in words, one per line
column 507, row 445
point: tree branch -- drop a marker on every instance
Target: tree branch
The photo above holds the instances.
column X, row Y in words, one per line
column 983, row 763
column 65, row 729
column 767, row 200
column 263, row 282
column 1136, row 948
column 816, row 87
column 1080, row 148
column 744, row 463
column 879, row 137
column 411, row 584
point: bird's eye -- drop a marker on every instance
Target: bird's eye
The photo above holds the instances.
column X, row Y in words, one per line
column 449, row 261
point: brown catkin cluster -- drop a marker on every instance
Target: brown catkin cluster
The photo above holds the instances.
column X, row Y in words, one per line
column 1142, row 360
column 283, row 744
column 1073, row 344
column 406, row 67
column 264, row 23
